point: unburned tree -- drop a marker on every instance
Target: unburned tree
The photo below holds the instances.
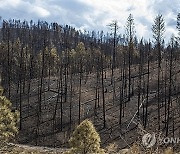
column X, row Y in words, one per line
column 85, row 139
column 8, row 119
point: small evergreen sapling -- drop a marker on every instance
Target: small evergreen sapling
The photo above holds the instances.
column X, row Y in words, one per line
column 85, row 139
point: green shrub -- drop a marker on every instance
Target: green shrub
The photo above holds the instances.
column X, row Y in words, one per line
column 85, row 139
column 8, row 119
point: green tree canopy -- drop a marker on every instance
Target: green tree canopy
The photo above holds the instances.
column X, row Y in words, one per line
column 85, row 139
column 8, row 119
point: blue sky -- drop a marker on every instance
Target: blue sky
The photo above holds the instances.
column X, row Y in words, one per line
column 95, row 14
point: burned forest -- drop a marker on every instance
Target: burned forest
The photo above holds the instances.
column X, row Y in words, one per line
column 57, row 76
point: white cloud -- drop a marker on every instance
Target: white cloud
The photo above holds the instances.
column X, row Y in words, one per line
column 39, row 11
column 144, row 12
column 95, row 14
column 142, row 30
column 9, row 3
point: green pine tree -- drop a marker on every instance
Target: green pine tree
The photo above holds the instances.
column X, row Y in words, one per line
column 8, row 119
column 85, row 139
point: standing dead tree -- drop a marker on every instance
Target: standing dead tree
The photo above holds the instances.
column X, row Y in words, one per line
column 158, row 30
column 170, row 85
column 130, row 32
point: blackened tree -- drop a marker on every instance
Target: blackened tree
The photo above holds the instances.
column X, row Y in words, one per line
column 158, row 29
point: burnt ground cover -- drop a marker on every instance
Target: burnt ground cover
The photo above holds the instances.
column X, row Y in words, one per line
column 59, row 115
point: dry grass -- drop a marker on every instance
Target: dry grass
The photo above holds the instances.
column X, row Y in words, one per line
column 137, row 149
column 111, row 149
column 24, row 149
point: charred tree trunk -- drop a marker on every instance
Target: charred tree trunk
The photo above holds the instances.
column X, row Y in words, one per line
column 103, row 96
